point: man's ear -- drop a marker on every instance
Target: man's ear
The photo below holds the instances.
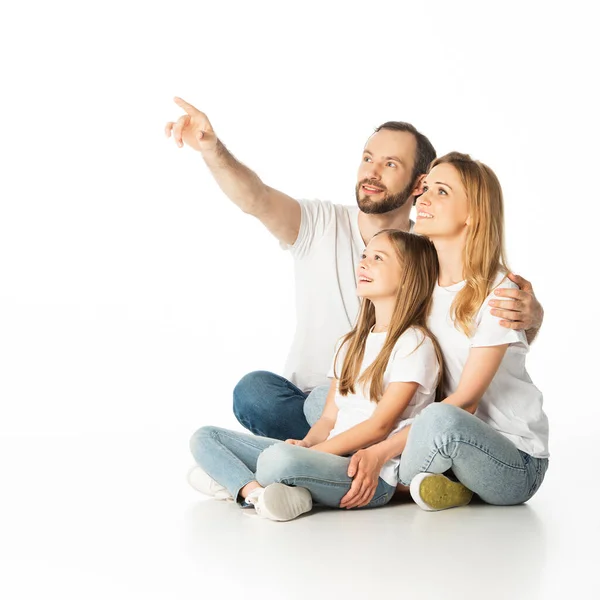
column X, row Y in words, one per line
column 418, row 188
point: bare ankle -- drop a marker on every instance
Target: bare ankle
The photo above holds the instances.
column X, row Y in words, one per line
column 248, row 488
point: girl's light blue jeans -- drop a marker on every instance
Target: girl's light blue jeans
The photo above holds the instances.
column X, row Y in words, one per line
column 235, row 459
column 446, row 437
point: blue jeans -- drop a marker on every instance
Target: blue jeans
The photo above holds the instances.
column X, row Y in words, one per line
column 446, row 437
column 235, row 459
column 269, row 405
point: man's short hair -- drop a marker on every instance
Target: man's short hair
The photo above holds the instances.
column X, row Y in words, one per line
column 425, row 154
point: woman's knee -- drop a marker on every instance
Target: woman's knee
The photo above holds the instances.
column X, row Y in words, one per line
column 439, row 418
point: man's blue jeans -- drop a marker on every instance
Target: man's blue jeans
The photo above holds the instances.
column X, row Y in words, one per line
column 235, row 459
column 271, row 406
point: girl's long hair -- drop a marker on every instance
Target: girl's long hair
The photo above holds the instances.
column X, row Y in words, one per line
column 483, row 254
column 419, row 274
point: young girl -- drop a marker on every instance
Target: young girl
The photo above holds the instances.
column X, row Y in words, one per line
column 490, row 429
column 388, row 368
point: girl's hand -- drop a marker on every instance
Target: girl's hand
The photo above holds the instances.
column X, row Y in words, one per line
column 297, row 443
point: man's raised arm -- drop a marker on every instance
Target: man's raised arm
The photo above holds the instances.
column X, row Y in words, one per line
column 277, row 211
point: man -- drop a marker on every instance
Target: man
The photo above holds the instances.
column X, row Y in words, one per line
column 326, row 241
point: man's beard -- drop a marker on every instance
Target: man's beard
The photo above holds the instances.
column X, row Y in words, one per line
column 389, row 202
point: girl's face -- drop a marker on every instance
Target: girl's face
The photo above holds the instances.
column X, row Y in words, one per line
column 442, row 209
column 379, row 270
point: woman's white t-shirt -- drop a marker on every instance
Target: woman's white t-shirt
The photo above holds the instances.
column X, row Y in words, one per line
column 512, row 405
column 413, row 359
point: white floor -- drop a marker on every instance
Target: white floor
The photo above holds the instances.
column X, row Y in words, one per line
column 111, row 516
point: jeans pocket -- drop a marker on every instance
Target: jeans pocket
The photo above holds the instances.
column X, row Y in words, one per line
column 540, row 466
column 379, row 501
column 526, row 457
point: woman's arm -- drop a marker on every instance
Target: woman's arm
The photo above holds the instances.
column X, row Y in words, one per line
column 377, row 427
column 365, row 466
column 477, row 375
column 478, row 372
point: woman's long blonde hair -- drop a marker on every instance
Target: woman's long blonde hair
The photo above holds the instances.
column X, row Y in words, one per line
column 483, row 254
column 419, row 273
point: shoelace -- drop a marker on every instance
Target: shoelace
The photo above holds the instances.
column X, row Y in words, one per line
column 253, row 500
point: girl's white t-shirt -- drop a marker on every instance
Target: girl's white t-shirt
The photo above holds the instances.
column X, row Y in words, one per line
column 512, row 405
column 413, row 359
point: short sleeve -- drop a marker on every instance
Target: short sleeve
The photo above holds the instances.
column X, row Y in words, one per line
column 414, row 359
column 316, row 217
column 340, row 361
column 489, row 332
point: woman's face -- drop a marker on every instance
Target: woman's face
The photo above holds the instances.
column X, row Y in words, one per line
column 442, row 209
column 379, row 270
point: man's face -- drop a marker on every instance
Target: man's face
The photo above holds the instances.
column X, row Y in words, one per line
column 384, row 176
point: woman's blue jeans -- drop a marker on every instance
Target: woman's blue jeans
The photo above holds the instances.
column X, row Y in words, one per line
column 445, row 437
column 235, row 459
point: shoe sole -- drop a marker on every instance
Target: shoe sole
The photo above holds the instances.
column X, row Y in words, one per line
column 281, row 502
column 436, row 492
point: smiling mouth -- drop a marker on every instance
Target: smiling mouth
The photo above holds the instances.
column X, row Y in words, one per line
column 369, row 189
column 424, row 215
column 364, row 280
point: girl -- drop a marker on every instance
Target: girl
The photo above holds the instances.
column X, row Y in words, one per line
column 490, row 429
column 384, row 372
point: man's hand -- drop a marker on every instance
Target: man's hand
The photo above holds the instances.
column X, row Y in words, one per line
column 365, row 466
column 520, row 310
column 193, row 128
column 297, row 443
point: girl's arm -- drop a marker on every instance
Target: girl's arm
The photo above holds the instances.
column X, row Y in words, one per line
column 481, row 366
column 322, row 428
column 377, row 427
column 478, row 372
column 365, row 465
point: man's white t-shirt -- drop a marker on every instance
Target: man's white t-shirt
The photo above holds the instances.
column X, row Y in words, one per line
column 512, row 405
column 326, row 256
column 413, row 359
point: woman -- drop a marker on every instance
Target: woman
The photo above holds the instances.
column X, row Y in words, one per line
column 388, row 370
column 490, row 431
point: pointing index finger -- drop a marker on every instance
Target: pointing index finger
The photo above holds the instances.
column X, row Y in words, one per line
column 189, row 109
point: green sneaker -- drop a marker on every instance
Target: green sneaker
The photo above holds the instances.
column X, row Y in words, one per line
column 436, row 492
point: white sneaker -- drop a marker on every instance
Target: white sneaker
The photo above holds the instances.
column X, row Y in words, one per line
column 432, row 491
column 280, row 502
column 202, row 482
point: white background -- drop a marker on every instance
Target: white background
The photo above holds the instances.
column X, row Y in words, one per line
column 134, row 295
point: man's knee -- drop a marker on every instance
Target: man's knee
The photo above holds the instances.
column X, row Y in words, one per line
column 315, row 404
column 248, row 394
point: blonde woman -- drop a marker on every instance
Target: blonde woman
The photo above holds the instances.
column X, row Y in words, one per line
column 384, row 372
column 490, row 432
